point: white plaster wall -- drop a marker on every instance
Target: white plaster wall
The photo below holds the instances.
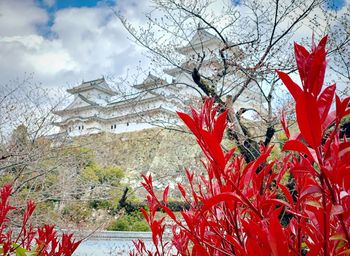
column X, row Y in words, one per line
column 136, row 108
column 131, row 127
column 95, row 94
column 140, row 123
column 89, row 127
column 73, row 128
column 77, row 102
column 81, row 113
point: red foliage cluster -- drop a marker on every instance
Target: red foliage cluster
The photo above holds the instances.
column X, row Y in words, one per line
column 241, row 209
column 30, row 241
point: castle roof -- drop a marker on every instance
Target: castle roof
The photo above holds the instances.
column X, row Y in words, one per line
column 151, row 81
column 99, row 84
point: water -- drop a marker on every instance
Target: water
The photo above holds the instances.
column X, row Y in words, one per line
column 99, row 248
column 111, row 243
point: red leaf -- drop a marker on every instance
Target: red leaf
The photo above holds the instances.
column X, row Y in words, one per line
column 286, row 193
column 238, row 247
column 198, row 250
column 292, row 87
column 220, row 125
column 317, row 68
column 252, row 166
column 341, row 106
column 169, row 212
column 323, row 42
column 284, row 125
column 276, row 202
column 277, row 237
column 182, row 190
column 308, row 191
column 300, row 56
column 337, row 209
column 214, row 148
column 229, row 154
column 145, row 215
column 188, row 219
column 165, row 194
column 302, row 215
column 325, row 101
column 189, row 123
column 344, row 148
column 330, row 119
column 309, row 120
column 257, row 241
column 295, row 145
column 227, row 197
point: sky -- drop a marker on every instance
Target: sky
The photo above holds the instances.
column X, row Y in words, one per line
column 59, row 43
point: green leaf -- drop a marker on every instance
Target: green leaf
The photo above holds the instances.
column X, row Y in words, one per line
column 19, row 250
column 338, row 236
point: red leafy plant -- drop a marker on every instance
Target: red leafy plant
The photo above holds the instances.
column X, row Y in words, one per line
column 28, row 240
column 252, row 209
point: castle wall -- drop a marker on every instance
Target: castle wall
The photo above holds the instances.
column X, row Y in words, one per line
column 94, row 94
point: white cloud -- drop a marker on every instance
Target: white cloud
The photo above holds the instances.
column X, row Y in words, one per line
column 134, row 9
column 84, row 43
column 51, row 61
column 93, row 37
column 20, row 17
column 36, row 54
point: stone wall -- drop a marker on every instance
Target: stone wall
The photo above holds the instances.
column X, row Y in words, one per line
column 164, row 153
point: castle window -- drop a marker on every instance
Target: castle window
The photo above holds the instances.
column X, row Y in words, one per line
column 79, row 127
column 127, row 124
column 115, row 126
column 112, row 126
column 82, row 127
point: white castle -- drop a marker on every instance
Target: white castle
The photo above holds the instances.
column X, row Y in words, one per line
column 98, row 108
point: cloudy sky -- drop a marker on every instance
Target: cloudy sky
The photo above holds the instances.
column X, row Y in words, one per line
column 62, row 42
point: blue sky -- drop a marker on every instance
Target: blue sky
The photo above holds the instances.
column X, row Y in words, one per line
column 336, row 4
column 61, row 4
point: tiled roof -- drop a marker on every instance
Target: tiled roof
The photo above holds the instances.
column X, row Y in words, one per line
column 97, row 83
column 150, row 81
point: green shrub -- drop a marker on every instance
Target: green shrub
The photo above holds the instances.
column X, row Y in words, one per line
column 100, row 204
column 102, row 175
column 76, row 212
column 129, row 222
